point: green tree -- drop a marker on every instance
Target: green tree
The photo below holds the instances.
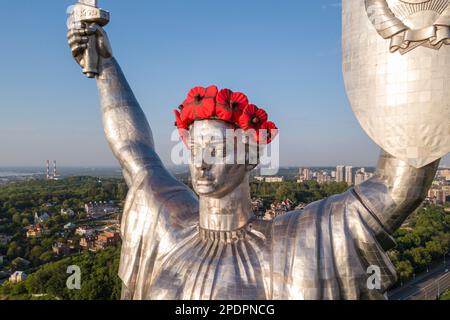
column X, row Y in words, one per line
column 446, row 295
column 99, row 277
column 420, row 257
column 404, row 269
column 35, row 254
column 17, row 219
column 25, row 222
column 284, row 192
column 14, row 250
column 19, row 289
column 408, row 240
column 46, row 257
column 435, row 248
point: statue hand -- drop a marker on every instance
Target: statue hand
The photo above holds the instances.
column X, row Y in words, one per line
column 78, row 38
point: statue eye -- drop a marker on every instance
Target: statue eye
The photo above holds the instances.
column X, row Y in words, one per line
column 218, row 151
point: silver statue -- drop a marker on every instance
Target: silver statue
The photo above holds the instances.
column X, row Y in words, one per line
column 178, row 246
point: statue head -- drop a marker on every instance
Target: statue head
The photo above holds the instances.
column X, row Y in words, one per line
column 224, row 134
column 219, row 162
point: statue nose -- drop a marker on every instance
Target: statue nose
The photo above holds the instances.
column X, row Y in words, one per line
column 202, row 163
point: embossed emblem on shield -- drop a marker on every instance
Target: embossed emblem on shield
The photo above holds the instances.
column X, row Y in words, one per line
column 396, row 65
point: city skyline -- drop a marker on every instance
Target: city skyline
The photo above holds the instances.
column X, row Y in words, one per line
column 51, row 111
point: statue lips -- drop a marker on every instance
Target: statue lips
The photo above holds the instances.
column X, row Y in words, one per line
column 205, row 182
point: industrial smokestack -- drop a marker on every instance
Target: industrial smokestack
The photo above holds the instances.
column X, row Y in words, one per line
column 48, row 169
column 55, row 173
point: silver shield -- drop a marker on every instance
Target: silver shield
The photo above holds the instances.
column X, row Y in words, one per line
column 396, row 65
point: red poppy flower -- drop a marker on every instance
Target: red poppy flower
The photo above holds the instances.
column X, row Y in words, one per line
column 199, row 104
column 252, row 117
column 230, row 105
column 178, row 121
column 182, row 126
column 267, row 132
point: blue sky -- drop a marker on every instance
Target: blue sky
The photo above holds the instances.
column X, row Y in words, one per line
column 284, row 54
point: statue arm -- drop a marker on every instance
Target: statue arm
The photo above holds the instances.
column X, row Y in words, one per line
column 124, row 122
column 130, row 138
column 396, row 190
column 125, row 125
column 153, row 189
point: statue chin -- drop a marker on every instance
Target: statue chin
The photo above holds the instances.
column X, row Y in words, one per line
column 214, row 189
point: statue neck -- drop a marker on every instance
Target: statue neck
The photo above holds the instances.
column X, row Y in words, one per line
column 230, row 213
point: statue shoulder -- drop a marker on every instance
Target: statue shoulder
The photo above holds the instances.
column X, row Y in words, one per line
column 311, row 216
column 156, row 195
column 160, row 187
column 297, row 221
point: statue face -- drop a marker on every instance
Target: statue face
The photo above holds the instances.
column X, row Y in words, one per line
column 212, row 174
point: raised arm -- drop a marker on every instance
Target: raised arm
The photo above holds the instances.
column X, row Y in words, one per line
column 396, row 190
column 156, row 197
column 125, row 125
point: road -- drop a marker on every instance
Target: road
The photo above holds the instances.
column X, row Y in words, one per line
column 425, row 287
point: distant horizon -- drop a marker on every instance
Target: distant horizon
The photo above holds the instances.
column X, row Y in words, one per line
column 182, row 166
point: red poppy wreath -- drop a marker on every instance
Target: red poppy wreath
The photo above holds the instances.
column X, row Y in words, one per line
column 226, row 105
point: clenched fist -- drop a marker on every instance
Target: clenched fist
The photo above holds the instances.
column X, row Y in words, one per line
column 86, row 41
